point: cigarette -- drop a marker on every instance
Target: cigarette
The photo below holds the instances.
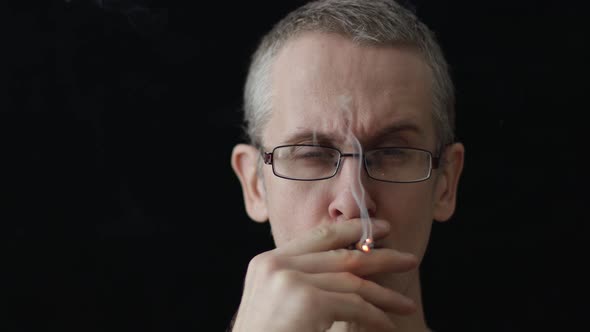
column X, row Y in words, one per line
column 364, row 246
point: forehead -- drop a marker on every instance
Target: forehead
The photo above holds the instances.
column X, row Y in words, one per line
column 327, row 84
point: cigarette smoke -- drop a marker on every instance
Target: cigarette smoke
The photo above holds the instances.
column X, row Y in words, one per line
column 357, row 188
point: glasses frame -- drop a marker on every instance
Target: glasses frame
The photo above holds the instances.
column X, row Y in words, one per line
column 268, row 158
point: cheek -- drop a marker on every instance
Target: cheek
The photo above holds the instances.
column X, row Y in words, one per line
column 294, row 208
column 410, row 213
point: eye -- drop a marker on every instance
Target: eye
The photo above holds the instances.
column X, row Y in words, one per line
column 310, row 154
column 393, row 153
column 387, row 157
column 313, row 152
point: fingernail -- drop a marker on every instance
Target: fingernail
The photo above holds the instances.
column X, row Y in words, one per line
column 409, row 256
column 409, row 302
column 411, row 305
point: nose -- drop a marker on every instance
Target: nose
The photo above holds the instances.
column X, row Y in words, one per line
column 348, row 201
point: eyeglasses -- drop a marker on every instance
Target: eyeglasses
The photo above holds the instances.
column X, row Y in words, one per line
column 312, row 162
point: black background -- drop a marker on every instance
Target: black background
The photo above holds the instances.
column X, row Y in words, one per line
column 120, row 211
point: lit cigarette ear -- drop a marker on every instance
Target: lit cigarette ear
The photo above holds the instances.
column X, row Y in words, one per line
column 445, row 194
column 244, row 161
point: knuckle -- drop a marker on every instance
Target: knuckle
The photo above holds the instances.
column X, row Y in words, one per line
column 359, row 283
column 284, row 279
column 351, row 259
column 324, row 233
column 265, row 263
column 349, row 276
column 357, row 300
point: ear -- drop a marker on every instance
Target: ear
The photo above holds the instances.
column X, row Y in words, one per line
column 244, row 161
column 446, row 186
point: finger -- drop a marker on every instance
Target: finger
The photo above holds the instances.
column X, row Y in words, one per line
column 379, row 296
column 332, row 236
column 350, row 307
column 354, row 261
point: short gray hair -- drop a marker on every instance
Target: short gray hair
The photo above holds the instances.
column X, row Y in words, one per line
column 370, row 22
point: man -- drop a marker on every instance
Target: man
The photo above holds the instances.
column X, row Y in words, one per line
column 349, row 111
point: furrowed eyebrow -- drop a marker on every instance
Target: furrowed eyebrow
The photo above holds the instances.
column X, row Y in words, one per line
column 394, row 130
column 310, row 136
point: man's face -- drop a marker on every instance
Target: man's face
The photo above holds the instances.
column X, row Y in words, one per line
column 325, row 87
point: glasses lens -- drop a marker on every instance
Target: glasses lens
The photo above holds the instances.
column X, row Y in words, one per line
column 398, row 164
column 305, row 162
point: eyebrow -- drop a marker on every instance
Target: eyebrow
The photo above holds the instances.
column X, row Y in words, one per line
column 310, row 135
column 395, row 130
column 383, row 133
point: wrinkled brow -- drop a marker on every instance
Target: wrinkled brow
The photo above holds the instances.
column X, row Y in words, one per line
column 319, row 137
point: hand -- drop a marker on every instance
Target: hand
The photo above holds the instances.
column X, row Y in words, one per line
column 312, row 282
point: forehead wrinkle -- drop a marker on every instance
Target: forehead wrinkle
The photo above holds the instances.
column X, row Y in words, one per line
column 363, row 125
column 403, row 129
column 309, row 85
